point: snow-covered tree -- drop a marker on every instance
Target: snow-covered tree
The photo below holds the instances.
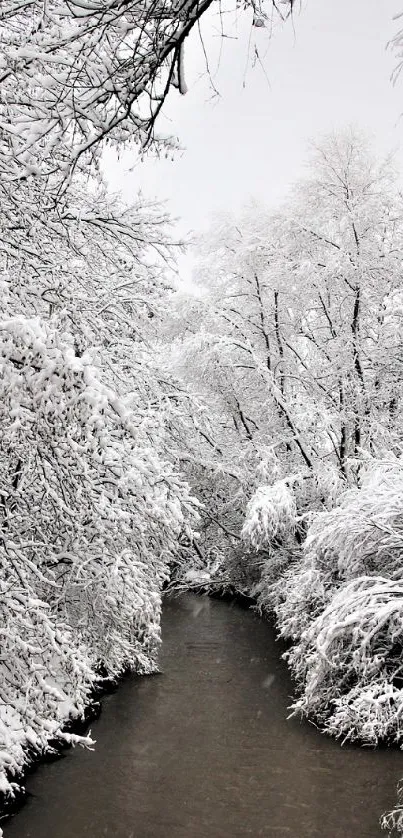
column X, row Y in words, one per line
column 293, row 339
column 347, row 232
column 91, row 516
column 74, row 75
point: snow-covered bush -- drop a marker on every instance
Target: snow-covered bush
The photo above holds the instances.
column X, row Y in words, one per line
column 45, row 672
column 338, row 597
column 342, row 605
column 349, row 660
column 271, row 514
column 268, row 588
column 298, row 596
column 363, row 534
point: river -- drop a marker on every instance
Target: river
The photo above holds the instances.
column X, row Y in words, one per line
column 205, row 750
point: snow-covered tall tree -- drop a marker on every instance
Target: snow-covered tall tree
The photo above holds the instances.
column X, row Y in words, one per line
column 293, row 337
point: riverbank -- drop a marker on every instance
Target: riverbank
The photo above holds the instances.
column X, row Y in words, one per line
column 72, row 733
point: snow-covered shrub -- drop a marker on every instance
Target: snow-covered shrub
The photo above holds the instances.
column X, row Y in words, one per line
column 45, row 672
column 271, row 514
column 268, row 588
column 364, row 533
column 298, row 596
column 269, row 533
column 349, row 660
column 341, row 604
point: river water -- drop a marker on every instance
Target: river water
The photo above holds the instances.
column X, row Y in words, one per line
column 205, row 750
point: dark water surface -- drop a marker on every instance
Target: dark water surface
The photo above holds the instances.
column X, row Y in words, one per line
column 204, row 750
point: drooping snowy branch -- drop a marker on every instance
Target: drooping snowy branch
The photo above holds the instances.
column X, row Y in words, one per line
column 74, row 75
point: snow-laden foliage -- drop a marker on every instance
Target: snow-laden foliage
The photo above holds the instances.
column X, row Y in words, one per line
column 340, row 602
column 392, row 821
column 91, row 517
column 349, row 661
column 75, row 74
column 360, row 536
column 270, row 514
column 363, row 534
column 292, row 588
column 346, row 619
column 92, row 505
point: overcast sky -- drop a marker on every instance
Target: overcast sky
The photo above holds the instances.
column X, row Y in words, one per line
column 330, row 68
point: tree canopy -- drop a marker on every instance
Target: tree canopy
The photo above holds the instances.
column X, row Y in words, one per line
column 76, row 74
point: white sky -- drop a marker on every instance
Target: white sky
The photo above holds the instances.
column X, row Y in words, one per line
column 328, row 69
